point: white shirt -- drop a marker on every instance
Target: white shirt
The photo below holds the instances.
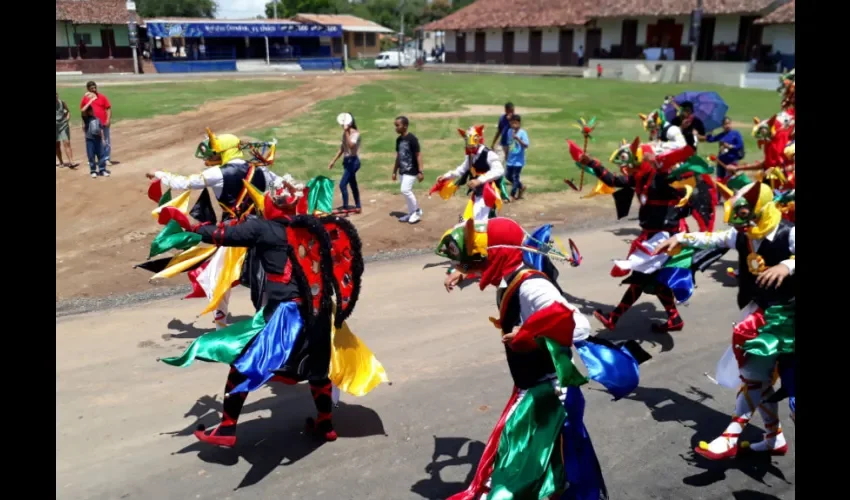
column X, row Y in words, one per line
column 210, row 177
column 726, row 239
column 538, row 294
column 496, row 168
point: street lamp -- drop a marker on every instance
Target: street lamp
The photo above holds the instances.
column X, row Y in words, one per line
column 133, row 35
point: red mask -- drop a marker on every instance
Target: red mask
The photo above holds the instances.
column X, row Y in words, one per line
column 502, row 261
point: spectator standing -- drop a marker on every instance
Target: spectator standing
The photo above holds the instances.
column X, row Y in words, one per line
column 515, row 160
column 349, row 150
column 408, row 162
column 63, row 133
column 691, row 126
column 502, row 129
column 95, row 141
column 102, row 109
column 580, row 54
column 731, row 148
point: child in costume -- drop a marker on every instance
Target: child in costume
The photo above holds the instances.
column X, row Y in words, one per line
column 664, row 195
column 764, row 338
column 297, row 334
column 481, row 171
column 540, row 447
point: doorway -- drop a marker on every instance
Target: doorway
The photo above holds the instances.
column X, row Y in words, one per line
column 705, row 48
column 460, row 47
column 481, row 48
column 535, row 47
column 628, row 39
column 565, row 48
column 107, row 37
column 592, row 44
column 508, row 46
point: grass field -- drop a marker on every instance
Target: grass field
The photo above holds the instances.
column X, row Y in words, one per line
column 148, row 100
column 309, row 141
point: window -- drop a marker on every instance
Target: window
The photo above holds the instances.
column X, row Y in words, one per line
column 84, row 37
column 358, row 39
column 370, row 40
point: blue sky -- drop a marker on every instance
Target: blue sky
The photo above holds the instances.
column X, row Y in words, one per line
column 240, row 9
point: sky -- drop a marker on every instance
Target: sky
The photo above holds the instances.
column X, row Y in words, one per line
column 240, row 9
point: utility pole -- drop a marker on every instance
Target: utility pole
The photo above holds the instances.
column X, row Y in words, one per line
column 696, row 22
column 133, row 35
column 401, row 35
column 274, row 9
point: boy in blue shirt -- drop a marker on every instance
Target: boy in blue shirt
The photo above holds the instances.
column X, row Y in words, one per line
column 731, row 147
column 515, row 156
column 502, row 129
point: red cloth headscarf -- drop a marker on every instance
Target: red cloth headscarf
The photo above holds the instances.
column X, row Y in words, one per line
column 501, row 261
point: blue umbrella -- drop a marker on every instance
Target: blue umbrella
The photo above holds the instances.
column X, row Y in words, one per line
column 709, row 107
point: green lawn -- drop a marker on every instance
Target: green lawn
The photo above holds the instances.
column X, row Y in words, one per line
column 309, row 141
column 152, row 99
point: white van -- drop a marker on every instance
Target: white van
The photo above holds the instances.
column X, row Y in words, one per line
column 390, row 60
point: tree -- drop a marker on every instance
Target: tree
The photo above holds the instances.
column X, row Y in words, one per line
column 177, row 8
column 288, row 8
column 437, row 9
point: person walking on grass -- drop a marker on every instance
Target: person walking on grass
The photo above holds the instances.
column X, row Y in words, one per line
column 731, row 148
column 95, row 143
column 63, row 133
column 408, row 162
column 502, row 129
column 102, row 109
column 349, row 150
column 515, row 159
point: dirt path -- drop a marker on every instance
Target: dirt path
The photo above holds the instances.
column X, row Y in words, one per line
column 103, row 227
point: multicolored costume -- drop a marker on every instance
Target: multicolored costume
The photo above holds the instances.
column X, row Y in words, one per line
column 663, row 135
column 764, row 338
column 482, row 165
column 540, row 447
column 214, row 271
column 666, row 197
column 297, row 334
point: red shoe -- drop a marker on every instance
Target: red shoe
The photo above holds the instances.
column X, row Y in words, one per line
column 313, row 428
column 669, row 326
column 213, row 437
column 702, row 449
column 605, row 319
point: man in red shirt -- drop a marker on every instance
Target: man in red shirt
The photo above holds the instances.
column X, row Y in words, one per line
column 102, row 109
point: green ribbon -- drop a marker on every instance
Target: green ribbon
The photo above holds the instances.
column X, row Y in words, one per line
column 695, row 164
column 173, row 237
column 320, row 195
column 778, row 334
column 684, row 259
column 503, row 189
column 165, row 198
column 568, row 374
column 222, row 346
column 525, row 467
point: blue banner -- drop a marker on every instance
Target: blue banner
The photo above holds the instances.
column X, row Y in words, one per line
column 213, row 29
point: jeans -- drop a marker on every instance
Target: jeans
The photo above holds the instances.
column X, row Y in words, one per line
column 407, row 182
column 97, row 160
column 107, row 147
column 513, row 177
column 350, row 165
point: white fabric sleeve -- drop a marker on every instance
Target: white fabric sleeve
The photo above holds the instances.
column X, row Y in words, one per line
column 537, row 294
column 270, row 176
column 210, row 177
column 459, row 171
column 792, row 245
column 723, row 239
column 496, row 168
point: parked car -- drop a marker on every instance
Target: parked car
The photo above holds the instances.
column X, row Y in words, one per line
column 391, row 60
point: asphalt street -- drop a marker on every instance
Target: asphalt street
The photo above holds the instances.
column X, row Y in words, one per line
column 124, row 422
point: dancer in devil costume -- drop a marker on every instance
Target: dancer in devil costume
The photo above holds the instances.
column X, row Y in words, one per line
column 297, row 334
column 227, row 169
column 665, row 200
column 482, row 172
column 540, row 447
column 764, row 338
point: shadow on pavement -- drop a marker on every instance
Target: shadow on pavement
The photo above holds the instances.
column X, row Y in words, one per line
column 190, row 331
column 434, row 488
column 666, row 405
column 280, row 439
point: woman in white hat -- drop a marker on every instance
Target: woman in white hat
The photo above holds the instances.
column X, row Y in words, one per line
column 350, row 162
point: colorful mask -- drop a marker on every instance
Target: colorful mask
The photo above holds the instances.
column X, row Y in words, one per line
column 654, row 121
column 219, row 150
column 752, row 210
column 474, row 137
column 465, row 243
column 628, row 155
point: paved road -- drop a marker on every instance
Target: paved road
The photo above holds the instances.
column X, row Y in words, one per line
column 124, row 422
